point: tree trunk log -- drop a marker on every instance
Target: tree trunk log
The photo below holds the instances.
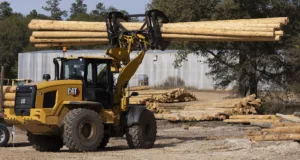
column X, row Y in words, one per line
column 289, row 118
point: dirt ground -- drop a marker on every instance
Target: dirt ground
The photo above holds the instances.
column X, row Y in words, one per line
column 203, row 140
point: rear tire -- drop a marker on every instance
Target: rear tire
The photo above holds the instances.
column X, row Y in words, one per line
column 83, row 130
column 143, row 134
column 45, row 143
column 4, row 135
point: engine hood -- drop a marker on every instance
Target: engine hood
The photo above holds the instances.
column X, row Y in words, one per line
column 46, row 84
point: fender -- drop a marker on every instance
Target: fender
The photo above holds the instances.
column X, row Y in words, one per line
column 133, row 114
column 84, row 104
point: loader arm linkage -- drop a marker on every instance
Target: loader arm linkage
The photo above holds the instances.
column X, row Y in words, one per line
column 123, row 42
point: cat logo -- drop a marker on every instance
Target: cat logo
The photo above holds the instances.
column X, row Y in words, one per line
column 23, row 101
column 73, row 92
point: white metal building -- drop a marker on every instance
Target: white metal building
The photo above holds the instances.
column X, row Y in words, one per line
column 157, row 65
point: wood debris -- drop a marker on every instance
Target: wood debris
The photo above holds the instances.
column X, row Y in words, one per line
column 277, row 127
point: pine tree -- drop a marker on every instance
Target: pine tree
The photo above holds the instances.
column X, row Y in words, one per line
column 78, row 8
column 5, row 10
column 52, row 6
column 244, row 64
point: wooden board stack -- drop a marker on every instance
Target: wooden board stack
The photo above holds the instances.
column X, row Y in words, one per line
column 277, row 127
column 49, row 33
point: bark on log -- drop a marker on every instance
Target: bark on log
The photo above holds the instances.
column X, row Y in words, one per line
column 48, row 45
column 9, row 89
column 217, row 32
column 9, row 96
column 297, row 114
column 283, row 20
column 279, row 137
column 8, row 104
column 250, row 120
column 285, row 124
column 290, row 129
column 253, row 117
column 222, row 24
column 289, row 118
column 101, row 26
column 262, row 124
column 187, row 37
column 68, row 34
column 71, row 40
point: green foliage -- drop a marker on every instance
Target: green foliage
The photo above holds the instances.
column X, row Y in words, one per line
column 14, row 38
column 78, row 8
column 35, row 15
column 184, row 11
column 52, row 6
column 242, row 64
column 5, row 10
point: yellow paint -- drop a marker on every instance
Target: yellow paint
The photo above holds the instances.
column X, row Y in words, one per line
column 107, row 116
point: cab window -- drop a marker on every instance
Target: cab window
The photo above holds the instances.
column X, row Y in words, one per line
column 102, row 74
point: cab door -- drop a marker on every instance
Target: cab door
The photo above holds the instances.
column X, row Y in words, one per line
column 98, row 81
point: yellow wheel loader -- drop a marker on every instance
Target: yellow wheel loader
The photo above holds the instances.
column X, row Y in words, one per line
column 83, row 107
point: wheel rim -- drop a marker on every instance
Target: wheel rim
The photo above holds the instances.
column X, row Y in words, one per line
column 87, row 130
column 2, row 135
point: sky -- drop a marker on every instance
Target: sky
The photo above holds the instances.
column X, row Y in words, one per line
column 25, row 6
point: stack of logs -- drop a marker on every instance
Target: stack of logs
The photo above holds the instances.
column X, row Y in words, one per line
column 166, row 105
column 277, row 127
column 206, row 111
column 9, row 96
column 163, row 96
column 49, row 33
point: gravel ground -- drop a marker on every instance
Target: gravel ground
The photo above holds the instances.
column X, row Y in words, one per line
column 205, row 140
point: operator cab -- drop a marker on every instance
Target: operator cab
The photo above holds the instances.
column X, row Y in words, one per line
column 95, row 75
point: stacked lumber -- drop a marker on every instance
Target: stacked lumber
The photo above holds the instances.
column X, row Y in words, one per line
column 49, row 33
column 9, row 93
column 204, row 112
column 277, row 127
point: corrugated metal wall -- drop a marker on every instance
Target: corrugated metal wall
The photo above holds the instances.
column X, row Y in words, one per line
column 157, row 65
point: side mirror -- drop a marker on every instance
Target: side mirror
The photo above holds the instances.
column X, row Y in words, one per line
column 133, row 94
column 46, row 77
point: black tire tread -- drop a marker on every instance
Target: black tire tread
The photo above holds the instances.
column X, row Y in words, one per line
column 45, row 143
column 68, row 137
column 104, row 142
column 134, row 136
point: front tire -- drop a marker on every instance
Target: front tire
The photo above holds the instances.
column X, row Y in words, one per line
column 143, row 134
column 45, row 143
column 83, row 130
column 104, row 142
column 4, row 135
